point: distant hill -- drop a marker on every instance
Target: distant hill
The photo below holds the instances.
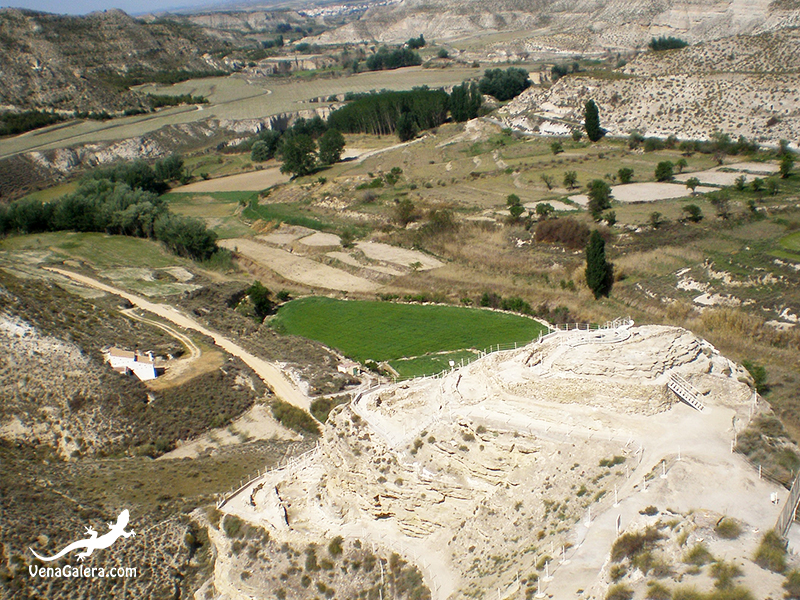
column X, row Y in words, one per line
column 743, row 85
column 581, row 25
column 86, row 63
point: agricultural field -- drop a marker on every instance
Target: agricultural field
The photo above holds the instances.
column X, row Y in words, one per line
column 387, row 331
column 219, row 210
column 235, row 97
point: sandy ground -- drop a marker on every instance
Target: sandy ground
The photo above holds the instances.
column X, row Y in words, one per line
column 321, row 240
column 398, row 256
column 256, row 424
column 280, row 384
column 243, row 182
column 299, row 269
column 285, row 235
column 554, row 203
column 645, row 192
column 349, row 260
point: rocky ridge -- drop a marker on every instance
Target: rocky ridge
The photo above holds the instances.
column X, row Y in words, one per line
column 577, row 26
column 69, row 63
column 497, row 463
column 744, row 85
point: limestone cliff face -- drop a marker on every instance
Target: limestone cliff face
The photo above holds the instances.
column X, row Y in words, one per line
column 69, row 63
column 596, row 24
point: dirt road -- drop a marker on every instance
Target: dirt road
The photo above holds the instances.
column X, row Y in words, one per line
column 272, row 376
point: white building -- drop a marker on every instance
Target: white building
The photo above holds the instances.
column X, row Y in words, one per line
column 141, row 365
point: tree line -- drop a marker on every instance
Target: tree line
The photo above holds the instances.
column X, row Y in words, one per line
column 393, row 59
column 121, row 200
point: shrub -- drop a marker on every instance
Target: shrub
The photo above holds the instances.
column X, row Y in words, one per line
column 232, row 526
column 629, row 545
column 792, row 585
column 657, row 591
column 335, row 546
column 619, row 591
column 294, row 418
column 759, row 375
column 698, row 555
column 566, row 232
column 724, row 574
column 771, row 553
column 321, row 407
column 693, row 213
column 728, row 528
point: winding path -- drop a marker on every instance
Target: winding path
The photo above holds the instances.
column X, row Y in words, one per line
column 281, row 385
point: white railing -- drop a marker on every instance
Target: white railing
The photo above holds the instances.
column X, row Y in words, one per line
column 293, row 462
column 685, row 391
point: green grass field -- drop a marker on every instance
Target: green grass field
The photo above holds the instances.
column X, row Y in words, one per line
column 101, row 250
column 216, row 209
column 792, row 242
column 386, row 331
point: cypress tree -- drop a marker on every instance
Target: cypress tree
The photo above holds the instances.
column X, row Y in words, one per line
column 599, row 272
column 591, row 119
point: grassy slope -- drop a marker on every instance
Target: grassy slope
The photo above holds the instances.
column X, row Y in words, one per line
column 385, row 331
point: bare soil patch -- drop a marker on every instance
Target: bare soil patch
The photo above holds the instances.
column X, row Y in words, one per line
column 398, row 256
column 299, row 269
column 243, row 182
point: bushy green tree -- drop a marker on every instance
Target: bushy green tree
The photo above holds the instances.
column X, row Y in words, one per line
column 515, row 207
column 260, row 297
column 599, row 272
column 664, row 171
column 570, row 179
column 331, row 145
column 298, row 153
column 544, row 210
column 170, row 168
column 591, row 120
column 406, row 127
column 416, row 43
column 787, row 164
column 266, row 145
column 465, row 101
column 693, row 213
column 185, row 236
column 625, row 175
column 504, row 85
column 692, row 183
column 599, row 197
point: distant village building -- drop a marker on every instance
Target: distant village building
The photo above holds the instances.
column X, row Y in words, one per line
column 142, row 365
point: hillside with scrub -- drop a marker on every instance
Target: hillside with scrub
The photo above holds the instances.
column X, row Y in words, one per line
column 441, row 301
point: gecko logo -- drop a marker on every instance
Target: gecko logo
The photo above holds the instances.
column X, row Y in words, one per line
column 89, row 545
